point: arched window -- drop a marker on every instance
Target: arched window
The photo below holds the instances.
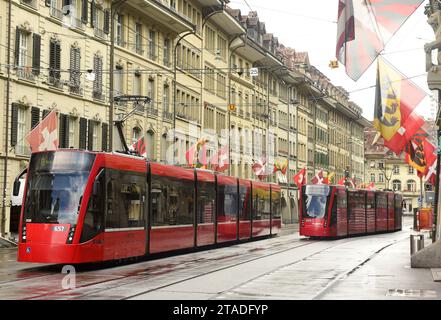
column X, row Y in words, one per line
column 164, row 147
column 136, row 134
column 396, row 184
column 411, row 185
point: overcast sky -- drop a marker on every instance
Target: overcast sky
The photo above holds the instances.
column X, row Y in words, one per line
column 311, row 26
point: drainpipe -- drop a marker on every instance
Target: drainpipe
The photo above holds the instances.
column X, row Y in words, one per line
column 8, row 86
column 229, row 94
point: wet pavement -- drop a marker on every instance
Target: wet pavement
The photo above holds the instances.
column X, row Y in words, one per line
column 284, row 267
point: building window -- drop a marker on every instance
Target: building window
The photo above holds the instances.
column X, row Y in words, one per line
column 21, row 131
column 381, row 177
column 166, row 52
column 396, row 169
column 151, row 91
column 152, row 45
column 119, row 30
column 118, row 85
column 137, row 84
column 411, row 185
column 136, row 135
column 396, row 184
column 165, row 98
column 72, row 131
column 23, row 49
column 372, row 177
column 411, row 170
column 138, row 38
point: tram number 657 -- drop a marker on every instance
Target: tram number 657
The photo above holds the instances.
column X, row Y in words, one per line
column 229, row 309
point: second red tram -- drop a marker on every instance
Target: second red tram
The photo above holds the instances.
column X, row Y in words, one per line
column 334, row 211
column 84, row 206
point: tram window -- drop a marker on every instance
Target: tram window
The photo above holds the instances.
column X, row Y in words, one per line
column 94, row 219
column 276, row 203
column 261, row 204
column 334, row 210
column 370, row 203
column 206, row 201
column 244, row 203
column 315, row 200
column 172, row 201
column 381, row 201
column 227, row 202
column 124, row 200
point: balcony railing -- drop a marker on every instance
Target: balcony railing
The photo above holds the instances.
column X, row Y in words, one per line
column 30, row 3
column 76, row 89
column 56, row 13
column 152, row 111
column 55, row 82
column 25, row 73
column 98, row 95
column 167, row 115
column 22, row 150
column 99, row 33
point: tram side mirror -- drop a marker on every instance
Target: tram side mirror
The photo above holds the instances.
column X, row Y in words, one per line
column 16, row 187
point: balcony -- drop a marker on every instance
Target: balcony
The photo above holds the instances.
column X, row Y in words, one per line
column 25, row 73
column 167, row 115
column 152, row 112
column 56, row 13
column 98, row 95
column 22, row 150
column 99, row 33
column 76, row 89
column 55, row 82
column 31, row 3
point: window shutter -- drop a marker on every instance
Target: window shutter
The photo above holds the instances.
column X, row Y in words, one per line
column 105, row 131
column 14, row 126
column 106, row 21
column 92, row 13
column 45, row 113
column 57, row 60
column 52, row 59
column 84, row 11
column 98, row 68
column 35, row 116
column 17, row 45
column 83, row 133
column 90, row 136
column 36, row 54
column 64, row 131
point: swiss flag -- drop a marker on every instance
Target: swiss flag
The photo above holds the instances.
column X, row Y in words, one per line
column 300, row 178
column 371, row 186
column 45, row 135
column 139, row 147
column 219, row 161
column 260, row 168
column 318, row 178
column 341, row 182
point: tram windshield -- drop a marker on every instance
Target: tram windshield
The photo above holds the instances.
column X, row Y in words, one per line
column 56, row 183
column 315, row 198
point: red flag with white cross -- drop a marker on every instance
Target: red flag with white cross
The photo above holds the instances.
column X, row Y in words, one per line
column 45, row 135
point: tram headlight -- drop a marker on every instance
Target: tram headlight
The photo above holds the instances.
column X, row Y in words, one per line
column 71, row 235
column 23, row 234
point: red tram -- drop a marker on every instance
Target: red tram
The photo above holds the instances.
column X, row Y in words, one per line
column 82, row 207
column 334, row 211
